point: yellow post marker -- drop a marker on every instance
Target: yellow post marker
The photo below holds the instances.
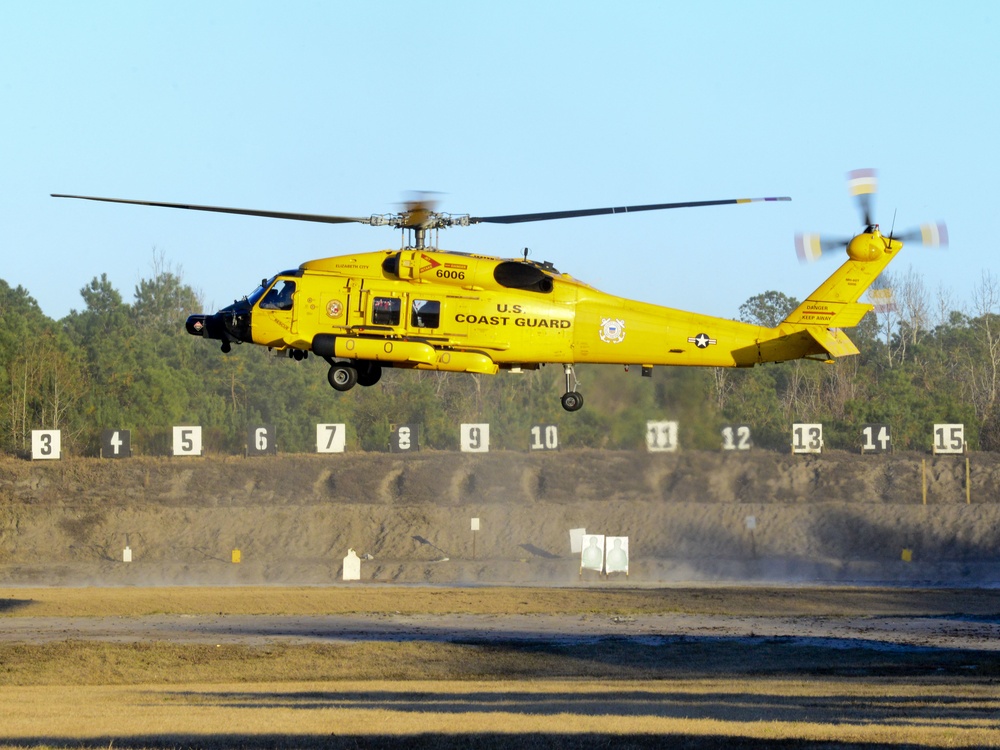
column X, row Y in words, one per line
column 237, row 557
column 968, row 489
column 907, row 555
column 923, row 478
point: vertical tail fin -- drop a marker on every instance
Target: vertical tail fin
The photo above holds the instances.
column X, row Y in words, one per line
column 835, row 303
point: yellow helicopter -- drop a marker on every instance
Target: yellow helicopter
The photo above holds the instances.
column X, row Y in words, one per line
column 422, row 308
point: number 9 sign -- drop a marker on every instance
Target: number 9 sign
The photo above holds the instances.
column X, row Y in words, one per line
column 475, row 438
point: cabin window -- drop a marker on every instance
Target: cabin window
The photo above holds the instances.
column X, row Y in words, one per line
column 279, row 297
column 426, row 314
column 385, row 311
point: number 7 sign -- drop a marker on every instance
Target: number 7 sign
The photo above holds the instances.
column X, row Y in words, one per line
column 330, row 438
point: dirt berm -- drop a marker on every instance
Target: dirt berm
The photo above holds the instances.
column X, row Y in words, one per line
column 836, row 517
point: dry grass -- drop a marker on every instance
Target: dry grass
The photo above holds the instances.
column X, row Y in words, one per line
column 315, row 600
column 578, row 714
column 620, row 693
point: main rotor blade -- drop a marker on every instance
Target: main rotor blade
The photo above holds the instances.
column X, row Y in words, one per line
column 519, row 218
column 222, row 210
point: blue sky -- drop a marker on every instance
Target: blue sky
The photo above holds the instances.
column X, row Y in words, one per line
column 343, row 108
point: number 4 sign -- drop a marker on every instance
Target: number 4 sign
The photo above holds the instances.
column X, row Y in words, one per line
column 116, row 444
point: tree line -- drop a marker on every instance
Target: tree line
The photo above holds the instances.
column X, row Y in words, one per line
column 119, row 365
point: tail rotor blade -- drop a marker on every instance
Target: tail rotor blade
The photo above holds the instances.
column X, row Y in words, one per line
column 811, row 247
column 930, row 235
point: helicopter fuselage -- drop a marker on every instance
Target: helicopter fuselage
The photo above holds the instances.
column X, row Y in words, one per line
column 434, row 310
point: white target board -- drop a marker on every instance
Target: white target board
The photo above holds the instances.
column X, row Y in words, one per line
column 616, row 554
column 331, row 438
column 544, row 437
column 475, row 438
column 592, row 555
column 736, row 437
column 661, row 436
column 949, row 438
column 46, row 445
column 807, row 438
column 187, row 441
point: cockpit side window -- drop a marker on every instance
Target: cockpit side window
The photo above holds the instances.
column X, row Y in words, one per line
column 426, row 314
column 385, row 311
column 279, row 297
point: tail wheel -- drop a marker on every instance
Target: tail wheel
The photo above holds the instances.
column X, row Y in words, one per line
column 342, row 377
column 369, row 373
column 572, row 401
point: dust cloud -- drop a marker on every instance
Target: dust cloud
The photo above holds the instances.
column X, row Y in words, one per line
column 690, row 517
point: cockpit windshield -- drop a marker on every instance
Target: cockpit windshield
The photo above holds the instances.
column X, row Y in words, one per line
column 257, row 293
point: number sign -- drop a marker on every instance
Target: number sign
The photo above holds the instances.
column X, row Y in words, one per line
column 404, row 438
column 949, row 438
column 46, row 445
column 187, row 441
column 116, row 444
column 331, row 438
column 661, row 436
column 544, row 437
column 475, row 438
column 260, row 441
column 736, row 437
column 807, row 438
column 875, row 438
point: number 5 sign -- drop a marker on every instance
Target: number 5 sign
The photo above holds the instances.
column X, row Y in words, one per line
column 187, row 441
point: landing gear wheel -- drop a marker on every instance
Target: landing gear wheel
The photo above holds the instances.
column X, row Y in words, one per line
column 342, row 377
column 369, row 373
column 572, row 401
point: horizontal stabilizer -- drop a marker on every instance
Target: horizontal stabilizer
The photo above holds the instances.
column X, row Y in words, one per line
column 810, row 342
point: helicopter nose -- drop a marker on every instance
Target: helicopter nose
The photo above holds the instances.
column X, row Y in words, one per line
column 209, row 326
column 197, row 325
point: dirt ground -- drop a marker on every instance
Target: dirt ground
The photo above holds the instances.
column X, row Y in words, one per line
column 691, row 516
column 730, row 629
